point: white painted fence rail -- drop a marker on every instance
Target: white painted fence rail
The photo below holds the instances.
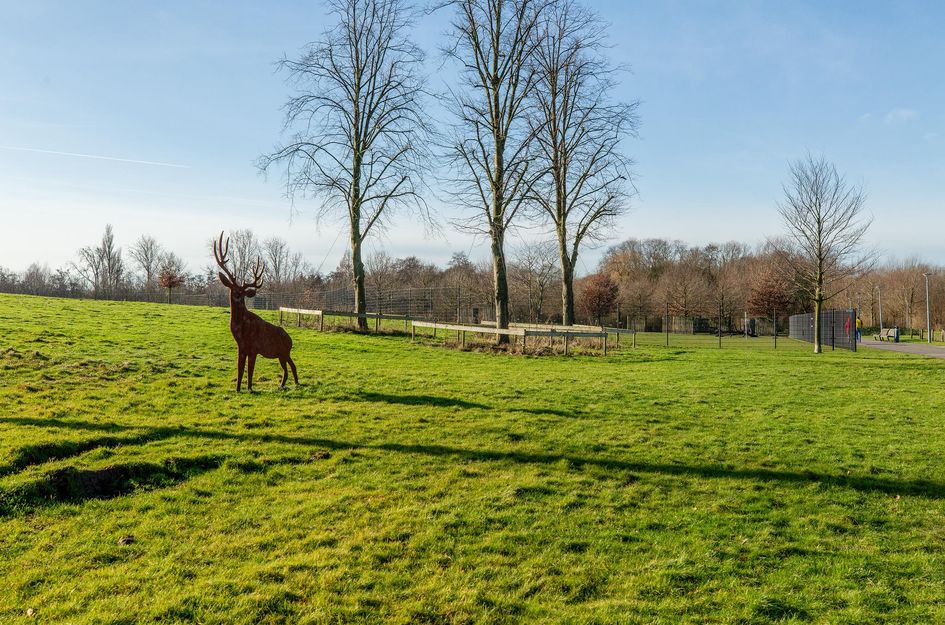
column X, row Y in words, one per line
column 565, row 332
column 321, row 314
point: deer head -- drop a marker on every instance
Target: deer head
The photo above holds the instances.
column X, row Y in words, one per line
column 238, row 291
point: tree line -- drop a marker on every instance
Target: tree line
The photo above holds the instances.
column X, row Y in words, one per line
column 641, row 280
column 534, row 136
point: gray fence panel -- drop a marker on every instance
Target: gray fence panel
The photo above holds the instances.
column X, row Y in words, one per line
column 837, row 328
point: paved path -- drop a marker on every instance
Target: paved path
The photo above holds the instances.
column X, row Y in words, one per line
column 918, row 349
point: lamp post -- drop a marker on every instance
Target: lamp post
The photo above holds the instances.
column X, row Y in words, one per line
column 928, row 307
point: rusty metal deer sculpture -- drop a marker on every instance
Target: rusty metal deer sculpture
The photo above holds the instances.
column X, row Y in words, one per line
column 254, row 337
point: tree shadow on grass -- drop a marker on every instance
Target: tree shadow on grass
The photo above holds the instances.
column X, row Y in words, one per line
column 548, row 411
column 30, row 455
column 72, row 485
column 918, row 487
column 419, row 400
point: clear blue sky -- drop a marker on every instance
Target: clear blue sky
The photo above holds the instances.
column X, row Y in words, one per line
column 730, row 92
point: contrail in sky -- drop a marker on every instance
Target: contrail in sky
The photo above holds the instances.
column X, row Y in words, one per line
column 95, row 156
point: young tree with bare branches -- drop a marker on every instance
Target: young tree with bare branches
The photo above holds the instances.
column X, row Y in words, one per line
column 381, row 269
column 283, row 266
column 825, row 220
column 102, row 266
column 493, row 42
column 534, row 267
column 246, row 250
column 359, row 130
column 579, row 132
column 146, row 254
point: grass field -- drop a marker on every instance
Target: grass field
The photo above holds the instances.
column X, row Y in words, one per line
column 411, row 483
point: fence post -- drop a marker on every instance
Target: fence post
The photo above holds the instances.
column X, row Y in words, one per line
column 298, row 321
column 605, row 343
column 566, row 336
column 321, row 321
column 666, row 324
column 720, row 324
column 413, row 332
column 775, row 328
column 280, row 315
column 634, row 335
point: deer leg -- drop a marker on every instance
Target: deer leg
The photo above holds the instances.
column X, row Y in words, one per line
column 295, row 373
column 239, row 371
column 285, row 372
column 251, row 365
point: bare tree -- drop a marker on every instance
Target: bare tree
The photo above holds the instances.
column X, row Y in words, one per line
column 725, row 269
column 277, row 256
column 493, row 42
column 102, row 266
column 534, row 265
column 381, row 270
column 360, row 131
column 825, row 221
column 295, row 267
column 146, row 254
column 579, row 131
column 36, row 279
column 246, row 250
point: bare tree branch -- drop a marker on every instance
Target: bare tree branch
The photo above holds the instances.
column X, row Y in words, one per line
column 359, row 134
column 825, row 224
column 491, row 151
column 586, row 178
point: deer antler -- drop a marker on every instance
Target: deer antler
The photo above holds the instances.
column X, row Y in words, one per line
column 258, row 270
column 220, row 251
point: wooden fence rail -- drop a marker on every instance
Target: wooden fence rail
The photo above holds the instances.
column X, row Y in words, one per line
column 461, row 330
column 524, row 330
column 321, row 314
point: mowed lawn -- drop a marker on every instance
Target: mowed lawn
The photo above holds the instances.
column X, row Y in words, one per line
column 414, row 483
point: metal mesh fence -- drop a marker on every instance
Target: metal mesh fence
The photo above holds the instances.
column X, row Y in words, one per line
column 446, row 304
column 653, row 325
column 837, row 328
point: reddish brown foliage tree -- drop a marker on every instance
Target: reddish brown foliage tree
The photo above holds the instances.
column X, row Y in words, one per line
column 769, row 293
column 170, row 280
column 599, row 295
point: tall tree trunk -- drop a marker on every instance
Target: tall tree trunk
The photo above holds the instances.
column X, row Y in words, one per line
column 500, row 280
column 567, row 263
column 567, row 289
column 357, row 266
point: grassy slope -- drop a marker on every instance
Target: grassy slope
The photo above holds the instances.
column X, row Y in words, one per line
column 654, row 486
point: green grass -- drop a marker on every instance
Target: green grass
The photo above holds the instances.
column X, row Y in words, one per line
column 412, row 483
column 905, row 338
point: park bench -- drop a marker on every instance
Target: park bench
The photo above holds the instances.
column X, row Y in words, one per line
column 886, row 334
